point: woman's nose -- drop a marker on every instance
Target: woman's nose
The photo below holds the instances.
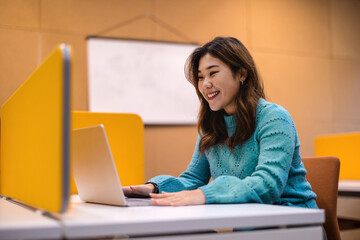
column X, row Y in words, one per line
column 207, row 83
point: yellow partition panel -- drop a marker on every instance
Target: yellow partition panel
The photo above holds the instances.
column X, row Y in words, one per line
column 125, row 133
column 344, row 146
column 35, row 136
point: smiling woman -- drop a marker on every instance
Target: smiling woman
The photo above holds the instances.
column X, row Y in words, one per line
column 248, row 145
column 230, row 59
column 217, row 84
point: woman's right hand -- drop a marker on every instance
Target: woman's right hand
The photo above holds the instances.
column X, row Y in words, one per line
column 138, row 190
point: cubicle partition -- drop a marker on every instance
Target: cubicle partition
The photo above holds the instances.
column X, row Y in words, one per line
column 36, row 123
column 125, row 134
column 345, row 146
column 35, row 136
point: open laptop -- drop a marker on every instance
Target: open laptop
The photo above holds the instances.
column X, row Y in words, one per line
column 94, row 170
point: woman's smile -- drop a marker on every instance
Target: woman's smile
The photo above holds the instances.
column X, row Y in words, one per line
column 212, row 95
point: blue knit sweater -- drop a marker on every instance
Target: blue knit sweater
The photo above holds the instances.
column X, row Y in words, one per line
column 267, row 168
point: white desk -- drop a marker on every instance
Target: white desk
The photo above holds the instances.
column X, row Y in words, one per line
column 348, row 209
column 349, row 188
column 349, row 199
column 85, row 220
column 17, row 222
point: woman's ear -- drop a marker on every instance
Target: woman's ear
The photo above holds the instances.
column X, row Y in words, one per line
column 243, row 74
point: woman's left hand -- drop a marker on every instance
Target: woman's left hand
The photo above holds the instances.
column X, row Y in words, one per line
column 193, row 197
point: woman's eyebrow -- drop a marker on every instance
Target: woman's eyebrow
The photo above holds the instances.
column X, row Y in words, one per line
column 209, row 67
column 212, row 66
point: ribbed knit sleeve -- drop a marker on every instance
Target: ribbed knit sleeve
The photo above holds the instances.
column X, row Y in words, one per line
column 196, row 175
column 275, row 134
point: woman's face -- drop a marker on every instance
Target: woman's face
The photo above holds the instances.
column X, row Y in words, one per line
column 217, row 84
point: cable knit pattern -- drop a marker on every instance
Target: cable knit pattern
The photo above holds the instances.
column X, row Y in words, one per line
column 267, row 168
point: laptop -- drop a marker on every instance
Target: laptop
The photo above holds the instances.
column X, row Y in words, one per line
column 94, row 170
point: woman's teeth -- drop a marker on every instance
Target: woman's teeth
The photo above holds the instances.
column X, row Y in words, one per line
column 212, row 94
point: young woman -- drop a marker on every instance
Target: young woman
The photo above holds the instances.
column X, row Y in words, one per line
column 248, row 146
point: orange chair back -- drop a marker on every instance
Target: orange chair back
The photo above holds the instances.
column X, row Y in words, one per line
column 323, row 175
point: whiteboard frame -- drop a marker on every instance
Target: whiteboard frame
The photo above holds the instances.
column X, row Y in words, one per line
column 112, row 88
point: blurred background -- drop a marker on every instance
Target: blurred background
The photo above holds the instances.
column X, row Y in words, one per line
column 307, row 52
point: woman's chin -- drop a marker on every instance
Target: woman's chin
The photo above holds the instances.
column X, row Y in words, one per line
column 215, row 109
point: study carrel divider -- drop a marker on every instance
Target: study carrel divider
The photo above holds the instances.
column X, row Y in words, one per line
column 345, row 146
column 35, row 136
column 36, row 123
column 125, row 132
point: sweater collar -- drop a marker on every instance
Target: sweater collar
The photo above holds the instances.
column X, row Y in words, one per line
column 230, row 120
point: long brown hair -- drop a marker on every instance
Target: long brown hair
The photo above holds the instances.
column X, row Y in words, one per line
column 211, row 124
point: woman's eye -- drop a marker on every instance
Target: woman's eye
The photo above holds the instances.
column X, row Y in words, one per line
column 212, row 73
column 200, row 78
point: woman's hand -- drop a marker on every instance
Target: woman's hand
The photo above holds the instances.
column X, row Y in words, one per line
column 193, row 197
column 138, row 190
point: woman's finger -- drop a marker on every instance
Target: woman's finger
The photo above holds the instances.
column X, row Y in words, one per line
column 169, row 200
column 136, row 191
column 182, row 198
column 161, row 195
column 126, row 190
column 162, row 202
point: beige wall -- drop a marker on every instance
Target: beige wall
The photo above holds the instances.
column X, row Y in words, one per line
column 307, row 51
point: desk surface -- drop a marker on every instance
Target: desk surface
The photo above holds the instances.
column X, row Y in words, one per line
column 348, row 205
column 86, row 219
column 349, row 188
column 18, row 222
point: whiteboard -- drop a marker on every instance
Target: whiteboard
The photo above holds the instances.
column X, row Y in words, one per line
column 142, row 77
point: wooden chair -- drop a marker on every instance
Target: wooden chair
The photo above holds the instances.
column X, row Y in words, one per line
column 323, row 175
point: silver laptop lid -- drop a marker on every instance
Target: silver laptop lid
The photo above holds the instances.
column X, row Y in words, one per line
column 94, row 169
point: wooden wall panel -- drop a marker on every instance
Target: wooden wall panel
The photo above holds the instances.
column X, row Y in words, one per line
column 291, row 26
column 18, row 59
column 89, row 16
column 140, row 27
column 20, row 13
column 345, row 86
column 168, row 149
column 345, row 22
column 78, row 44
column 300, row 83
column 200, row 21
